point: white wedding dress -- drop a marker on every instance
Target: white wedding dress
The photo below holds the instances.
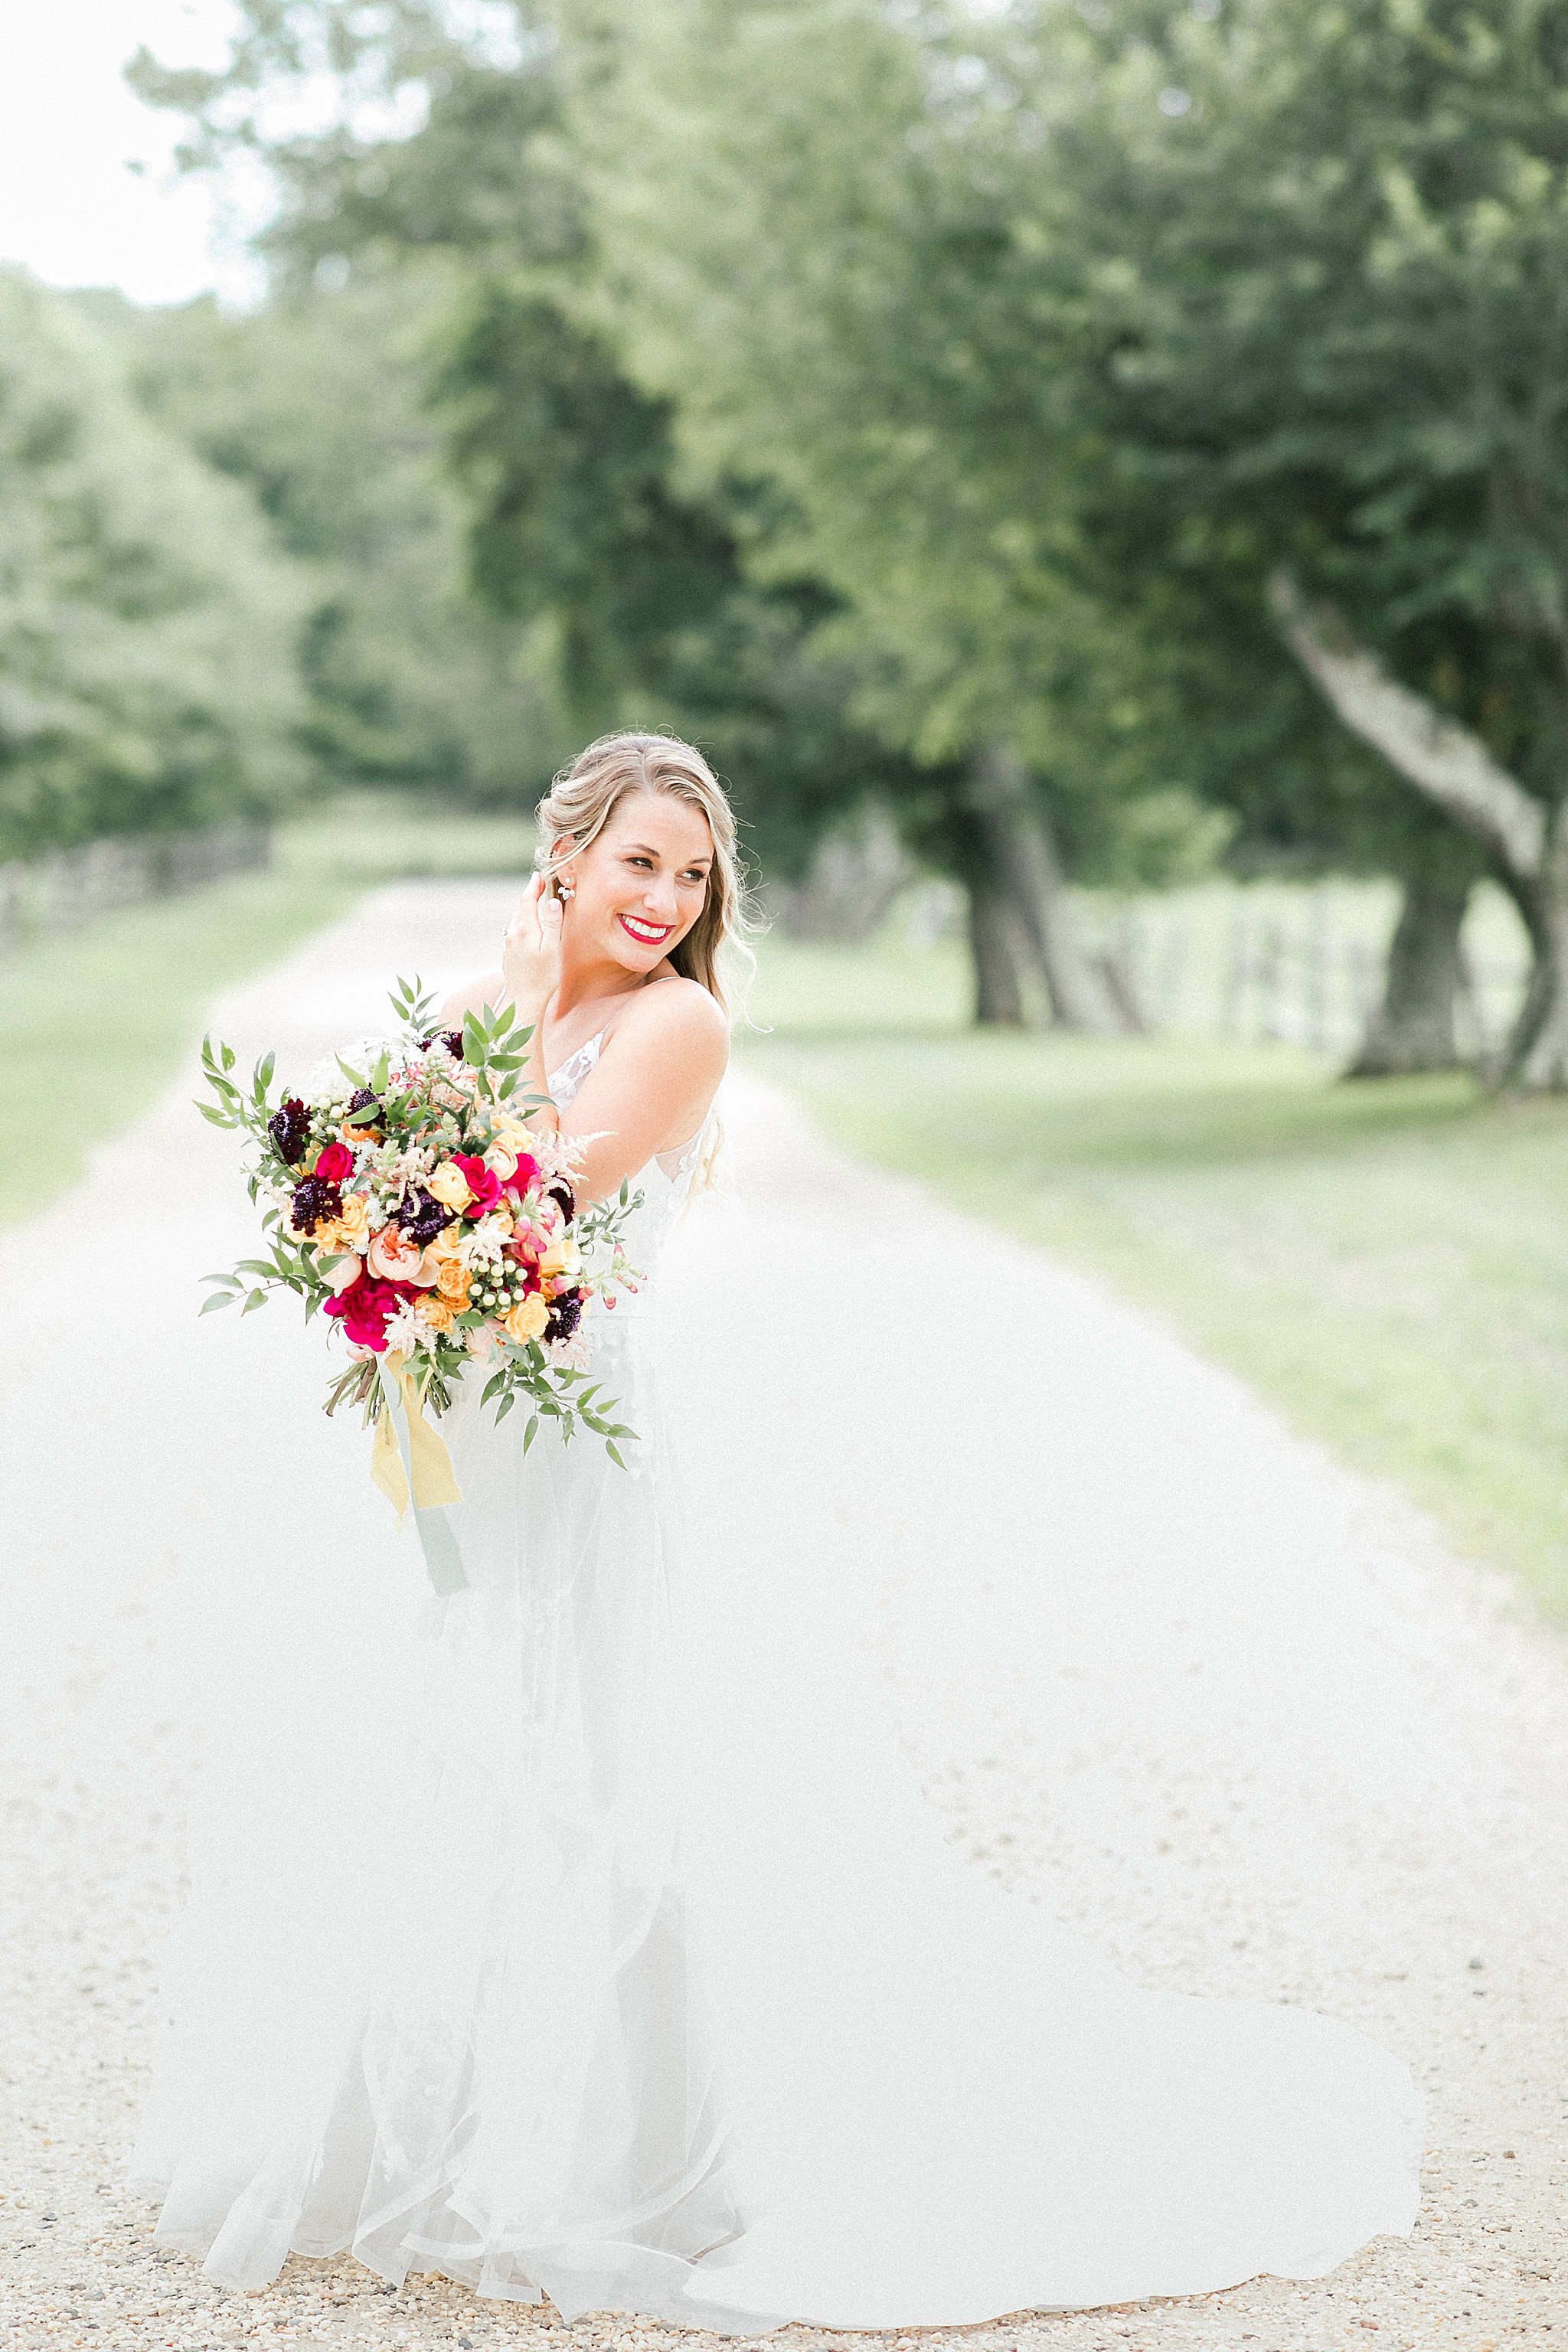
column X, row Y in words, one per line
column 617, row 1959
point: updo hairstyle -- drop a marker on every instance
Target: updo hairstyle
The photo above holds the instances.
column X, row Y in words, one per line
column 586, row 795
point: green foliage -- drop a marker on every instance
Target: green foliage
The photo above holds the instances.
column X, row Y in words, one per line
column 316, row 403
column 147, row 620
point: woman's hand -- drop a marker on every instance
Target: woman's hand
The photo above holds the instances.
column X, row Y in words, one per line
column 530, row 952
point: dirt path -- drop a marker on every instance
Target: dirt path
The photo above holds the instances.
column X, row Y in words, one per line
column 1165, row 1666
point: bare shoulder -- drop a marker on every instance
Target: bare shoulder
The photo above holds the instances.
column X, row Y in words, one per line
column 487, row 989
column 679, row 1015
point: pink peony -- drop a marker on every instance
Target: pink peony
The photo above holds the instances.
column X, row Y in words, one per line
column 365, row 1307
column 483, row 1183
column 336, row 1162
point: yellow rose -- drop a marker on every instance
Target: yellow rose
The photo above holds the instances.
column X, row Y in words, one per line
column 526, row 1320
column 562, row 1256
column 354, row 1221
column 448, row 1243
column 451, row 1186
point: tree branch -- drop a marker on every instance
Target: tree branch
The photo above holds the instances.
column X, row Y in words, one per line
column 1436, row 755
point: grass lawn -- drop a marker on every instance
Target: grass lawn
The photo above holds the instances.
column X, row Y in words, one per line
column 96, row 1019
column 1387, row 1262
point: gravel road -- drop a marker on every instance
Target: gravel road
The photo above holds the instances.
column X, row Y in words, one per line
column 1163, row 1666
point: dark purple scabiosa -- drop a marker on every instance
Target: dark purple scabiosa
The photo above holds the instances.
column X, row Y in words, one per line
column 289, row 1127
column 315, row 1203
column 422, row 1217
column 451, row 1038
column 561, row 1191
column 565, row 1314
column 361, row 1101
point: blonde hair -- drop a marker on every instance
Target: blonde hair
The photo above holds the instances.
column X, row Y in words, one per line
column 584, row 796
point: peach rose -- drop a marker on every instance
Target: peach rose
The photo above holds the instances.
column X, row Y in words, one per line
column 395, row 1258
column 501, row 1159
column 437, row 1313
column 448, row 1243
column 451, row 1186
column 528, row 1320
column 343, row 1272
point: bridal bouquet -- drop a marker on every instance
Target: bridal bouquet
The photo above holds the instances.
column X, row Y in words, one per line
column 408, row 1200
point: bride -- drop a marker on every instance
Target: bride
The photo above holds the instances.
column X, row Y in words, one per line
column 634, row 1972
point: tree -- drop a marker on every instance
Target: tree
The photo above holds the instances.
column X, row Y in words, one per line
column 318, row 404
column 1300, row 272
column 577, row 532
column 148, row 624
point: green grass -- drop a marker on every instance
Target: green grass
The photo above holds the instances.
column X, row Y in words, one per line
column 94, row 1021
column 1387, row 1262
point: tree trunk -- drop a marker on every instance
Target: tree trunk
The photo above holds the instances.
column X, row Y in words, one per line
column 1025, row 858
column 1538, row 1050
column 998, row 995
column 1413, row 1028
column 1528, row 843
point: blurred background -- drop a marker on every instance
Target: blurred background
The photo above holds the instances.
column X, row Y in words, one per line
column 1093, row 477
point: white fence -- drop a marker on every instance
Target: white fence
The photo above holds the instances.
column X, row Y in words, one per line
column 65, row 888
column 1302, row 963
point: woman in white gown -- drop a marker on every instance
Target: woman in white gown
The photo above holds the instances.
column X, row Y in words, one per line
column 645, row 1981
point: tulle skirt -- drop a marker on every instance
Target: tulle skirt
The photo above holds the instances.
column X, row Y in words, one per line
column 585, row 1935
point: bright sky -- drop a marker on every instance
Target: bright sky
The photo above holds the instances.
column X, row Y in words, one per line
column 69, row 209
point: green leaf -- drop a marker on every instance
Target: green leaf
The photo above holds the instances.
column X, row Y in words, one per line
column 219, row 1299
column 531, row 1433
column 504, row 1407
column 256, row 1298
column 614, row 1457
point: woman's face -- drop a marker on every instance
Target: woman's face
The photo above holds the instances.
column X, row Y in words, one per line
column 642, row 884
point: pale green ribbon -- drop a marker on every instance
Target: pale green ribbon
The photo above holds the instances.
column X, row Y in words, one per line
column 408, row 1459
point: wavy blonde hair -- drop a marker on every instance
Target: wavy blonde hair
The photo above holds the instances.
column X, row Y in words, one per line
column 584, row 796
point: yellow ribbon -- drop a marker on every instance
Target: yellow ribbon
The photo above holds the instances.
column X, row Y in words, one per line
column 435, row 1481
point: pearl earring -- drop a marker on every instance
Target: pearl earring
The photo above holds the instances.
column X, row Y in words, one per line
column 567, row 889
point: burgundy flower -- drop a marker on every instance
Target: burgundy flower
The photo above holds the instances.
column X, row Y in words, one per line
column 565, row 1314
column 451, row 1038
column 335, row 1162
column 315, row 1202
column 561, row 1191
column 289, row 1127
column 363, row 1100
column 422, row 1217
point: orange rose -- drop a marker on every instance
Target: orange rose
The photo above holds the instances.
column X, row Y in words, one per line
column 452, row 1280
column 437, row 1313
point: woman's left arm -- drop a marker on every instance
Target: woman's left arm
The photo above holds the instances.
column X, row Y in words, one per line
column 653, row 1085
